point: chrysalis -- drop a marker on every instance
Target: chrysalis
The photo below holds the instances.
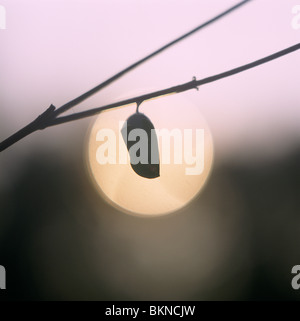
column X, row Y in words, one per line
column 141, row 140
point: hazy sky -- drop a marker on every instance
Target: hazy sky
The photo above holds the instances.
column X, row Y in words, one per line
column 52, row 51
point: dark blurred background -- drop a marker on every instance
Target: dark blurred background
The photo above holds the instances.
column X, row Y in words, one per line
column 238, row 241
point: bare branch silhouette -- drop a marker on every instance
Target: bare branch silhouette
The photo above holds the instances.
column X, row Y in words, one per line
column 46, row 119
column 94, row 90
column 41, row 122
column 174, row 90
column 49, row 117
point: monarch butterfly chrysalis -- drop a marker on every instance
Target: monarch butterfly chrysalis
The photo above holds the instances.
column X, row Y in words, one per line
column 141, row 141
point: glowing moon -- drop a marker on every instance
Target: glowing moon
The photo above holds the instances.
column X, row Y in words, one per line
column 181, row 178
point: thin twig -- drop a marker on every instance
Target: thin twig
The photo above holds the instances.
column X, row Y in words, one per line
column 94, row 90
column 46, row 119
column 173, row 90
column 53, row 113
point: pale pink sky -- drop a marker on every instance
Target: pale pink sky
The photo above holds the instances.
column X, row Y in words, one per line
column 52, row 51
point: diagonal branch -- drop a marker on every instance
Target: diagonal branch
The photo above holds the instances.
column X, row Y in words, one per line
column 94, row 90
column 34, row 126
column 46, row 119
column 40, row 122
column 173, row 90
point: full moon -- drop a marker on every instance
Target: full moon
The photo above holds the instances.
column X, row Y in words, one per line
column 185, row 157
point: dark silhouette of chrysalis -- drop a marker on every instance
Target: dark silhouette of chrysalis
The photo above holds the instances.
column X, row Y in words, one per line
column 141, row 140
